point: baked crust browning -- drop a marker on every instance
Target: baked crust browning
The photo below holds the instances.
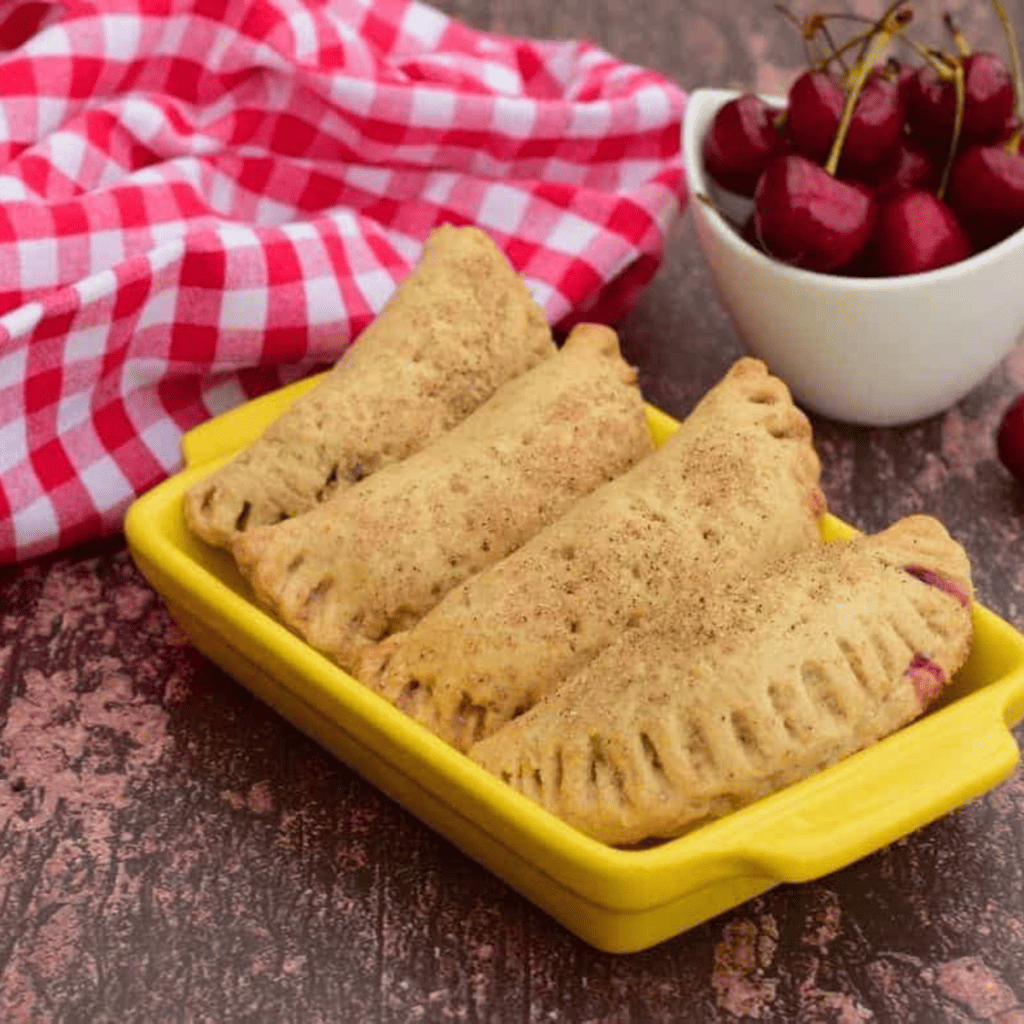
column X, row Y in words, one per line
column 789, row 673
column 460, row 325
column 735, row 488
column 377, row 556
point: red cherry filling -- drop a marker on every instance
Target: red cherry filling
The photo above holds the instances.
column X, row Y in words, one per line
column 928, row 677
column 918, row 232
column 941, row 582
column 805, row 217
column 743, row 138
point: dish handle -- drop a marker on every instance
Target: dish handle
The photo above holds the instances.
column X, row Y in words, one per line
column 841, row 820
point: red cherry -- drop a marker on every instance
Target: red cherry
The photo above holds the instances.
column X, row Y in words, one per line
column 865, row 264
column 1010, row 125
column 917, row 232
column 986, row 189
column 910, row 166
column 876, row 125
column 904, row 80
column 744, row 136
column 930, row 108
column 1010, row 439
column 988, row 97
column 815, row 106
column 806, row 217
column 988, row 102
column 816, row 102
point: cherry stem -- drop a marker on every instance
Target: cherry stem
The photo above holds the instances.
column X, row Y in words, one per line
column 1011, row 45
column 938, row 62
column 816, row 24
column 892, row 70
column 864, row 38
column 809, row 49
column 895, row 18
column 958, row 123
column 835, row 51
column 875, row 50
column 848, row 45
column 854, row 41
column 959, row 39
column 843, row 16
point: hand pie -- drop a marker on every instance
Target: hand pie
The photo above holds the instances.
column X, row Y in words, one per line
column 736, row 487
column 460, row 325
column 377, row 556
column 834, row 648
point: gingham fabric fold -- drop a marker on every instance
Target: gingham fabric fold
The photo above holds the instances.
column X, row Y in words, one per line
column 202, row 201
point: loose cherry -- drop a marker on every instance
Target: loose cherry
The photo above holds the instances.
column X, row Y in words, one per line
column 917, row 232
column 986, row 189
column 1010, row 439
column 806, row 217
column 744, row 136
column 988, row 102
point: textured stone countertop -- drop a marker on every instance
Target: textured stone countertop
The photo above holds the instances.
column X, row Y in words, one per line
column 171, row 850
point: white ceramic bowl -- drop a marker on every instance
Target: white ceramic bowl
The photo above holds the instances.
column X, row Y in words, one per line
column 879, row 351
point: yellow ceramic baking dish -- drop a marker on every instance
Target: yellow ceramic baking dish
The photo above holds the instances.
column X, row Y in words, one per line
column 617, row 900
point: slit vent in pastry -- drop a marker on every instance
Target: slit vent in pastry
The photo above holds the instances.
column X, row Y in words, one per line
column 736, row 487
column 377, row 556
column 832, row 649
column 460, row 325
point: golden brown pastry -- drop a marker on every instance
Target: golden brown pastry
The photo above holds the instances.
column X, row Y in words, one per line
column 736, row 487
column 377, row 556
column 460, row 325
column 835, row 648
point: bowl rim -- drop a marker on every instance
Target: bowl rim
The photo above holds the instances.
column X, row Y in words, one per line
column 698, row 184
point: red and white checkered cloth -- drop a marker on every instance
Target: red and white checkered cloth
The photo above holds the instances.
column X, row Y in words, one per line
column 201, row 201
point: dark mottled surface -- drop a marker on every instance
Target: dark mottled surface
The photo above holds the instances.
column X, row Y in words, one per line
column 172, row 851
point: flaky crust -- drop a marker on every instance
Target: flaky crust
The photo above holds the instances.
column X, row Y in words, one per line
column 460, row 325
column 377, row 556
column 832, row 649
column 736, row 487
